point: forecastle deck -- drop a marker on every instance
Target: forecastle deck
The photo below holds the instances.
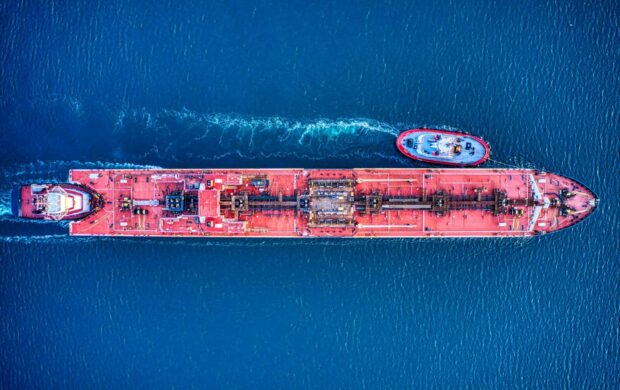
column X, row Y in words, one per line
column 326, row 203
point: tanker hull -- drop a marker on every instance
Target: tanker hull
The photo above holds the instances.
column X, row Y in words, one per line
column 329, row 203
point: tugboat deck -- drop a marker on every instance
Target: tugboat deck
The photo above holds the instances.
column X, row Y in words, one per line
column 443, row 147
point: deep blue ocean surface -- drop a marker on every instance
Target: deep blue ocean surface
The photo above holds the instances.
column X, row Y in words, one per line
column 307, row 84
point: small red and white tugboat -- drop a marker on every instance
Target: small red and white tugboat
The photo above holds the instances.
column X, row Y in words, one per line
column 443, row 147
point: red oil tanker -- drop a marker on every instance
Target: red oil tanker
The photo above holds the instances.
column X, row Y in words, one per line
column 309, row 202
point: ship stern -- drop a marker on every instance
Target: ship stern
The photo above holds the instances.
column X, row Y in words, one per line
column 16, row 201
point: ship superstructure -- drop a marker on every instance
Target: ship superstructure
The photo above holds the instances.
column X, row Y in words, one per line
column 55, row 202
column 327, row 202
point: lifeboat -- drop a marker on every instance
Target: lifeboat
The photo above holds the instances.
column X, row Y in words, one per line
column 54, row 202
column 443, row 147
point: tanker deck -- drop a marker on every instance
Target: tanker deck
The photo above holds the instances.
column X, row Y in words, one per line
column 321, row 203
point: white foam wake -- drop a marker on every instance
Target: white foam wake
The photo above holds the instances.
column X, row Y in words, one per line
column 303, row 128
column 5, row 205
column 187, row 136
column 299, row 129
column 46, row 238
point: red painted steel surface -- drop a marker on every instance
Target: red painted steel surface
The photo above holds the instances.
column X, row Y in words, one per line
column 332, row 203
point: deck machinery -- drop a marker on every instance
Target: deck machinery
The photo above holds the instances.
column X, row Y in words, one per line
column 323, row 202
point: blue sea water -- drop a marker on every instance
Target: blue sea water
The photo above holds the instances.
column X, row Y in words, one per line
column 307, row 84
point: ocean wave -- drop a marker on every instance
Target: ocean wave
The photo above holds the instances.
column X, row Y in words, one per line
column 45, row 238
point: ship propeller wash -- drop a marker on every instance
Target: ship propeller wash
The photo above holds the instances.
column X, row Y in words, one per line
column 309, row 202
